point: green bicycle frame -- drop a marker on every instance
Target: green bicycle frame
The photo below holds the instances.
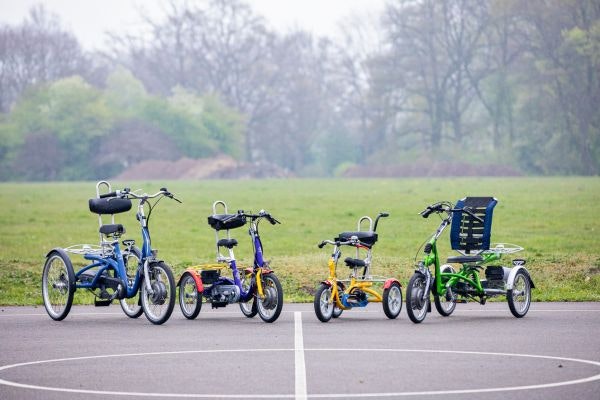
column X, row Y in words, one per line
column 468, row 273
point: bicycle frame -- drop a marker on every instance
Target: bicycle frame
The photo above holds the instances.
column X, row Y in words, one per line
column 365, row 286
column 468, row 272
column 260, row 266
column 114, row 259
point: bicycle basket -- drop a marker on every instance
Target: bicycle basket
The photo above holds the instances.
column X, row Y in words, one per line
column 226, row 221
column 209, row 276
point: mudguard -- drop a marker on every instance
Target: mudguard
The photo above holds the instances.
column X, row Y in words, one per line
column 67, row 259
column 510, row 281
column 389, row 282
column 196, row 276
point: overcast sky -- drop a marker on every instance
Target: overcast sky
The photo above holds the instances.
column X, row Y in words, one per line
column 89, row 19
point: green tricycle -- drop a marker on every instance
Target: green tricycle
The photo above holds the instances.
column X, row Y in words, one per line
column 470, row 232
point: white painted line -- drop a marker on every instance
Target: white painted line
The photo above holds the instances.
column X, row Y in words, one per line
column 320, row 395
column 299, row 365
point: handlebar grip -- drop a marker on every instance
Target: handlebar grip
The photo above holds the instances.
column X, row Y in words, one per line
column 322, row 244
column 111, row 194
column 427, row 212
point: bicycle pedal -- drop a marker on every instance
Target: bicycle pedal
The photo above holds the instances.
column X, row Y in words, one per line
column 462, row 301
column 102, row 303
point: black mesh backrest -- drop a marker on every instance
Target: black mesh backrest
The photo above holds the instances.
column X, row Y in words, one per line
column 467, row 234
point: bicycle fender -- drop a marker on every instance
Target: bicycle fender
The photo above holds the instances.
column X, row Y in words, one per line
column 327, row 282
column 60, row 251
column 197, row 279
column 510, row 281
column 64, row 254
column 389, row 282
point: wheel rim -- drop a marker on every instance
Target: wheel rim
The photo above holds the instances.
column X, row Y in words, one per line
column 247, row 307
column 56, row 286
column 268, row 306
column 131, row 305
column 416, row 303
column 394, row 299
column 156, row 305
column 325, row 305
column 521, row 293
column 188, row 295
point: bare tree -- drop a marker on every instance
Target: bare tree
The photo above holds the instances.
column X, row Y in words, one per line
column 36, row 51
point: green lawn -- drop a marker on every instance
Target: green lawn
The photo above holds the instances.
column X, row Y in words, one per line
column 554, row 219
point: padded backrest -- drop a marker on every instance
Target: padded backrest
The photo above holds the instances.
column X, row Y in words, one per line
column 114, row 206
column 226, row 221
column 466, row 233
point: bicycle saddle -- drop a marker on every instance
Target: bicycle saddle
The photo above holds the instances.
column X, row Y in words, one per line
column 229, row 243
column 354, row 262
column 464, row 259
column 112, row 229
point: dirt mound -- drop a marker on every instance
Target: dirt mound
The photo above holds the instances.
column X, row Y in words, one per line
column 204, row 168
column 429, row 169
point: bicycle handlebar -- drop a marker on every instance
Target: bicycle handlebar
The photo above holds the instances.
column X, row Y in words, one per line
column 448, row 208
column 126, row 193
column 261, row 214
column 352, row 242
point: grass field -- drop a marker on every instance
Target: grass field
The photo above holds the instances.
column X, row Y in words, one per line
column 554, row 219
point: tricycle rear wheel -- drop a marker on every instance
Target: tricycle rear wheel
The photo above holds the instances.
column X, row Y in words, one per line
column 392, row 300
column 444, row 305
column 519, row 297
column 58, row 285
column 190, row 300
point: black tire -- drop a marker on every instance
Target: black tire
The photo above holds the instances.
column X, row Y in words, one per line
column 250, row 307
column 190, row 300
column 159, row 306
column 132, row 307
column 416, row 307
column 270, row 307
column 58, row 285
column 323, row 308
column 392, row 300
column 519, row 297
column 443, row 305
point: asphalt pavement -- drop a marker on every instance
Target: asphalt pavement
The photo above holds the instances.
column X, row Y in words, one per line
column 479, row 351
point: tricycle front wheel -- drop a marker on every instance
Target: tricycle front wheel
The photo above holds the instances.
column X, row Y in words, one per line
column 324, row 308
column 159, row 304
column 270, row 306
column 416, row 306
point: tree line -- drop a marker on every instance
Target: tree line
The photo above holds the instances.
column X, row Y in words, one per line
column 499, row 81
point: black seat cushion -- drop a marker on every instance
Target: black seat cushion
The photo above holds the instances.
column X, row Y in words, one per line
column 354, row 262
column 226, row 221
column 111, row 229
column 464, row 259
column 229, row 243
column 109, row 205
column 367, row 237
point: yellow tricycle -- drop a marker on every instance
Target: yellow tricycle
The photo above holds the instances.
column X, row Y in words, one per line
column 336, row 295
